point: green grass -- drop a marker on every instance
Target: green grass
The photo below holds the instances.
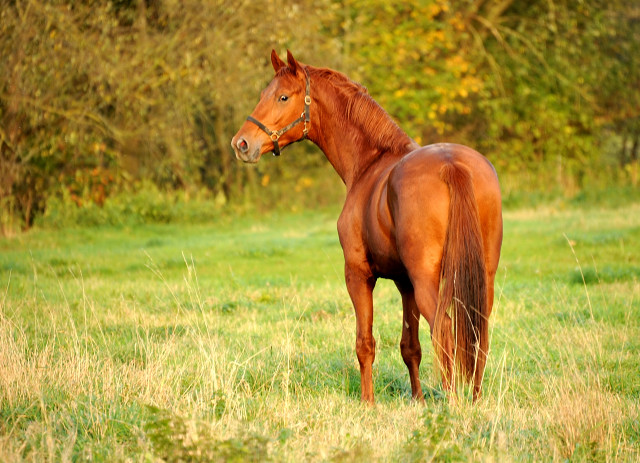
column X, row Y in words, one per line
column 235, row 341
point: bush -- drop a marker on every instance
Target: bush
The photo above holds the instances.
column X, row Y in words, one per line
column 147, row 204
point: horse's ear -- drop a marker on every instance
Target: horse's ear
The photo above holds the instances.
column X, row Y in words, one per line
column 276, row 61
column 293, row 64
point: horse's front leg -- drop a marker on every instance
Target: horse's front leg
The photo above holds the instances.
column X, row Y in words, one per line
column 360, row 285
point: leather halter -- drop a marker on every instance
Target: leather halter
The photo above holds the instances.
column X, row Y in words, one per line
column 304, row 117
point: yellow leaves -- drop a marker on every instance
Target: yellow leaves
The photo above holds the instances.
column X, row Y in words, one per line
column 457, row 64
column 471, row 83
column 437, row 7
column 99, row 147
column 437, row 36
column 265, row 180
column 303, row 184
column 457, row 22
column 434, row 10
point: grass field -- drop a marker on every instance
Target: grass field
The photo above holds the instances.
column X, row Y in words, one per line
column 235, row 341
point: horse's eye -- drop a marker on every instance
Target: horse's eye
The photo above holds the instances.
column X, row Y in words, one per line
column 283, row 98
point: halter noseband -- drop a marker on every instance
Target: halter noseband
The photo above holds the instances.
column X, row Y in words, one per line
column 304, row 117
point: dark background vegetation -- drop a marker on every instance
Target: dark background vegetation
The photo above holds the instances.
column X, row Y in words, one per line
column 126, row 108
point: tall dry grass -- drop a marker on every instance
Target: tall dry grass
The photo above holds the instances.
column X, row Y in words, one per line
column 172, row 366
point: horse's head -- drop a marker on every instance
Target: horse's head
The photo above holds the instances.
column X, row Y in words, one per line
column 282, row 115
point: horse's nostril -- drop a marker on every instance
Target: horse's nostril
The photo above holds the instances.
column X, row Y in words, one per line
column 242, row 145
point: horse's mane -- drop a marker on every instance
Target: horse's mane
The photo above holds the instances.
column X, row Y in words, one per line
column 357, row 106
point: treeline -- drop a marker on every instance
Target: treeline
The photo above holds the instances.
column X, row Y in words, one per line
column 98, row 98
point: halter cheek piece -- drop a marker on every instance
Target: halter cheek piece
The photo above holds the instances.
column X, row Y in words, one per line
column 304, row 117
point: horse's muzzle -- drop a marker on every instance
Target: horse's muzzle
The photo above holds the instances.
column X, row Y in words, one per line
column 244, row 151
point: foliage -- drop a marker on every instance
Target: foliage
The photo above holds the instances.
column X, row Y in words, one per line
column 544, row 103
column 180, row 342
column 537, row 86
column 426, row 73
column 174, row 439
column 96, row 97
column 132, row 91
column 147, row 205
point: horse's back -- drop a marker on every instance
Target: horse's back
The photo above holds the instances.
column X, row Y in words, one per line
column 431, row 157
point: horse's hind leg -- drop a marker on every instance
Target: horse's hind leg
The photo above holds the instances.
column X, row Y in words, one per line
column 423, row 268
column 481, row 361
column 482, row 356
column 493, row 243
column 410, row 342
column 426, row 296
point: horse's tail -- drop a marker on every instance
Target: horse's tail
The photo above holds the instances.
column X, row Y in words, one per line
column 463, row 279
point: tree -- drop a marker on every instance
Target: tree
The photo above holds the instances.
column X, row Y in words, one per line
column 538, row 86
column 94, row 95
column 409, row 55
column 97, row 97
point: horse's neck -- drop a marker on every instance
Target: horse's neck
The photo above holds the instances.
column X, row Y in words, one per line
column 347, row 157
column 347, row 146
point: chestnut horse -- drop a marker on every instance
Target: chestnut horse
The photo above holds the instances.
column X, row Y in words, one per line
column 429, row 218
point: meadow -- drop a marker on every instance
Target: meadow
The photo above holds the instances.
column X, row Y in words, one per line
column 235, row 341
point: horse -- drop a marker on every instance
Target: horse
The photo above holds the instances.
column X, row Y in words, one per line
column 428, row 218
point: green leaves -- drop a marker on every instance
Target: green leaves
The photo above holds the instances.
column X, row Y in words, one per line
column 409, row 56
column 544, row 88
column 535, row 86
